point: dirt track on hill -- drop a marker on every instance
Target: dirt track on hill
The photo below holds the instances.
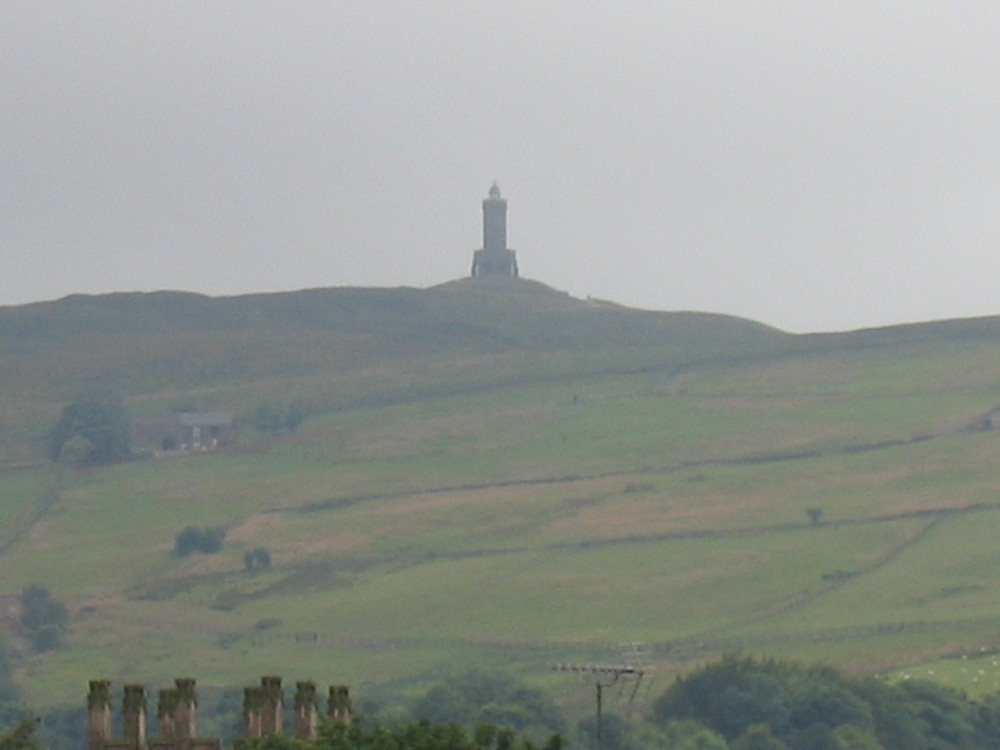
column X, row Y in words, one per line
column 44, row 504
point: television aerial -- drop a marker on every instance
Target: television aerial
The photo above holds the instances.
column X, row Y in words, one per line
column 627, row 676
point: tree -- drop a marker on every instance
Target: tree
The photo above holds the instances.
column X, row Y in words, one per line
column 821, row 697
column 416, row 735
column 77, row 451
column 815, row 516
column 9, row 692
column 819, row 736
column 852, row 738
column 21, row 737
column 898, row 725
column 987, row 722
column 63, row 728
column 91, row 431
column 12, row 709
column 690, row 735
column 759, row 737
column 273, row 418
column 206, row 540
column 43, row 617
column 487, row 698
column 615, row 732
column 730, row 696
column 770, row 705
column 946, row 711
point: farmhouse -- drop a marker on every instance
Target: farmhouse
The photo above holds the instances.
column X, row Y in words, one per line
column 185, row 431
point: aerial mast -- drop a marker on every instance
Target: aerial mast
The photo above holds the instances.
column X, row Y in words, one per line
column 602, row 676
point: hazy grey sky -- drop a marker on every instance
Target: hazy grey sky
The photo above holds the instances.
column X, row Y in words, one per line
column 814, row 166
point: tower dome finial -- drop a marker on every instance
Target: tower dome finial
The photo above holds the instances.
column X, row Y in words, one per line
column 494, row 191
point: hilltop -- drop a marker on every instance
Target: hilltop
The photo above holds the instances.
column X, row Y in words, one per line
column 492, row 472
column 330, row 348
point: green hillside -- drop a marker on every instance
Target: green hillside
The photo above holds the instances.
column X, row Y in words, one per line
column 327, row 348
column 495, row 474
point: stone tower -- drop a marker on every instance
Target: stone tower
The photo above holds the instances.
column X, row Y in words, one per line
column 495, row 258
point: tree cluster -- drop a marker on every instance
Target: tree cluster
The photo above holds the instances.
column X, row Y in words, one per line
column 21, row 736
column 91, row 431
column 416, row 735
column 206, row 540
column 751, row 704
column 12, row 709
column 43, row 617
column 274, row 418
column 495, row 699
column 735, row 704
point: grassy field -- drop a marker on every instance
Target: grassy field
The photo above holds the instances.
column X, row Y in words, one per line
column 510, row 505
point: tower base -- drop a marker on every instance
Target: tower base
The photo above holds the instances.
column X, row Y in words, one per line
column 494, row 263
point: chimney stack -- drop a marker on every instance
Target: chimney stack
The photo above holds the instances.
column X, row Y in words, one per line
column 134, row 716
column 99, row 709
column 272, row 708
column 306, row 720
column 339, row 705
column 185, row 712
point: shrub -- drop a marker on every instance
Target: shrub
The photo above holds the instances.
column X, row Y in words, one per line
column 43, row 617
column 274, row 418
column 206, row 540
column 91, row 431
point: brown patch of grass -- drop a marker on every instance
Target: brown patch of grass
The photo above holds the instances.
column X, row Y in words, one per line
column 254, row 526
column 337, row 543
